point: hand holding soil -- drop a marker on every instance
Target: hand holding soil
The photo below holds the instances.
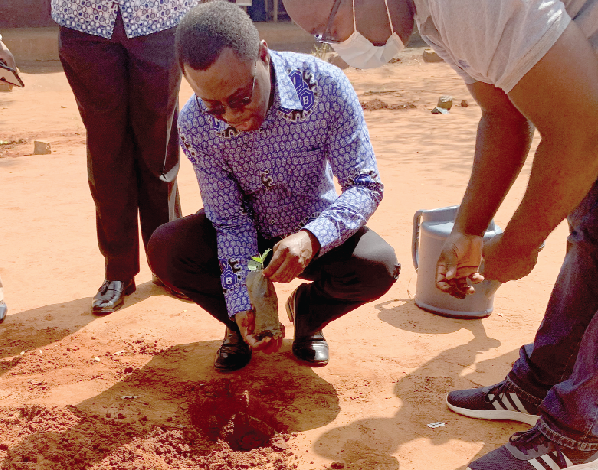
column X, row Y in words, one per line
column 246, row 323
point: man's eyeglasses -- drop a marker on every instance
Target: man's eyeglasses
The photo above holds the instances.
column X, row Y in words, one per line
column 325, row 36
column 234, row 104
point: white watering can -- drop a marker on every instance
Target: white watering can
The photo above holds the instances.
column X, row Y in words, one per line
column 430, row 230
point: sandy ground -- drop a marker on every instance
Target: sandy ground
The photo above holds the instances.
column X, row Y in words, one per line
column 136, row 389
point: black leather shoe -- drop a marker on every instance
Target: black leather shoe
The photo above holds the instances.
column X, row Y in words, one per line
column 234, row 354
column 310, row 347
column 111, row 296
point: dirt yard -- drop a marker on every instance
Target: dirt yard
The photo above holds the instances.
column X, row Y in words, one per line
column 137, row 390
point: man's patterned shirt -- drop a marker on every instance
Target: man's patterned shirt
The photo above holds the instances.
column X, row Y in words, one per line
column 279, row 179
column 140, row 17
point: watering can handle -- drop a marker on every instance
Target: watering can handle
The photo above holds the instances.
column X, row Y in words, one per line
column 415, row 241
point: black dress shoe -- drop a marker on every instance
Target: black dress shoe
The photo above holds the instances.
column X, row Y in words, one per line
column 310, row 347
column 234, row 354
column 111, row 296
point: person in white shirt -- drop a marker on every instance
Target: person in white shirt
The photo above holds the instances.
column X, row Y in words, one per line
column 518, row 58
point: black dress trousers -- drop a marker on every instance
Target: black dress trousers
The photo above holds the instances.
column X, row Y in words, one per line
column 127, row 94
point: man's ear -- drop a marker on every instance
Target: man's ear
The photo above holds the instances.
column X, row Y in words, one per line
column 263, row 52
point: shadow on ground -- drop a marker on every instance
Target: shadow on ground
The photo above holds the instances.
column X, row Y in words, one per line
column 177, row 412
column 370, row 443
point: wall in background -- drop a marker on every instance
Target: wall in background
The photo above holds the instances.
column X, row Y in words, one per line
column 25, row 14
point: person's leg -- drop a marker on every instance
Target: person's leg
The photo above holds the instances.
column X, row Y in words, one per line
column 154, row 78
column 569, row 413
column 184, row 255
column 96, row 69
column 359, row 271
column 549, row 359
column 572, row 306
column 566, row 435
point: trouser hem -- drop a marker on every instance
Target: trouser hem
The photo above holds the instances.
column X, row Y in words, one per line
column 559, row 438
column 522, row 393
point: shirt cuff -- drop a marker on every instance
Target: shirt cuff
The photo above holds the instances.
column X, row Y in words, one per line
column 326, row 232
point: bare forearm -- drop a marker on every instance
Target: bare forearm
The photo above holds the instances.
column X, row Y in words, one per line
column 566, row 162
column 502, row 146
column 562, row 174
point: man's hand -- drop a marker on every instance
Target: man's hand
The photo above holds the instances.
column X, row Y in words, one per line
column 457, row 267
column 7, row 56
column 291, row 255
column 505, row 263
column 246, row 323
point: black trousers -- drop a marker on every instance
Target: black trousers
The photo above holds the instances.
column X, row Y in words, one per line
column 183, row 253
column 127, row 94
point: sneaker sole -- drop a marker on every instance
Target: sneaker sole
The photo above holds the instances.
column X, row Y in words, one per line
column 583, row 466
column 495, row 414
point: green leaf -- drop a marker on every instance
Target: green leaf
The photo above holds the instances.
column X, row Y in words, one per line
column 259, row 260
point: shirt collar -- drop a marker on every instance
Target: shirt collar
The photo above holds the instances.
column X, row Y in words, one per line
column 285, row 93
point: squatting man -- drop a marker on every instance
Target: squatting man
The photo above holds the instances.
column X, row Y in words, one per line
column 266, row 132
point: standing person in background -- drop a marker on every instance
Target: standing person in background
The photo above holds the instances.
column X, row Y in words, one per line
column 518, row 58
column 6, row 57
column 119, row 59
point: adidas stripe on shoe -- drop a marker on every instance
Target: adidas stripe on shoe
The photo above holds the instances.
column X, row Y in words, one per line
column 498, row 401
column 532, row 450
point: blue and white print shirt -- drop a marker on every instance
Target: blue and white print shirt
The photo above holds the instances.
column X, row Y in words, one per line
column 140, row 17
column 278, row 179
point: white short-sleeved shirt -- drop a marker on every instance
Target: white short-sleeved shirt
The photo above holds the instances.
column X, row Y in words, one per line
column 499, row 41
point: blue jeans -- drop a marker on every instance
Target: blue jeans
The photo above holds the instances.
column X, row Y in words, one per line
column 560, row 368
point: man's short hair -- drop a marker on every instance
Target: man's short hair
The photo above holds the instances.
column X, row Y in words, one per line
column 210, row 27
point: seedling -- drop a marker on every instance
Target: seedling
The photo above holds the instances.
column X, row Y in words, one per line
column 256, row 263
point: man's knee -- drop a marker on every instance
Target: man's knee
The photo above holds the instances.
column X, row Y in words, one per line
column 377, row 268
column 380, row 276
column 371, row 278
